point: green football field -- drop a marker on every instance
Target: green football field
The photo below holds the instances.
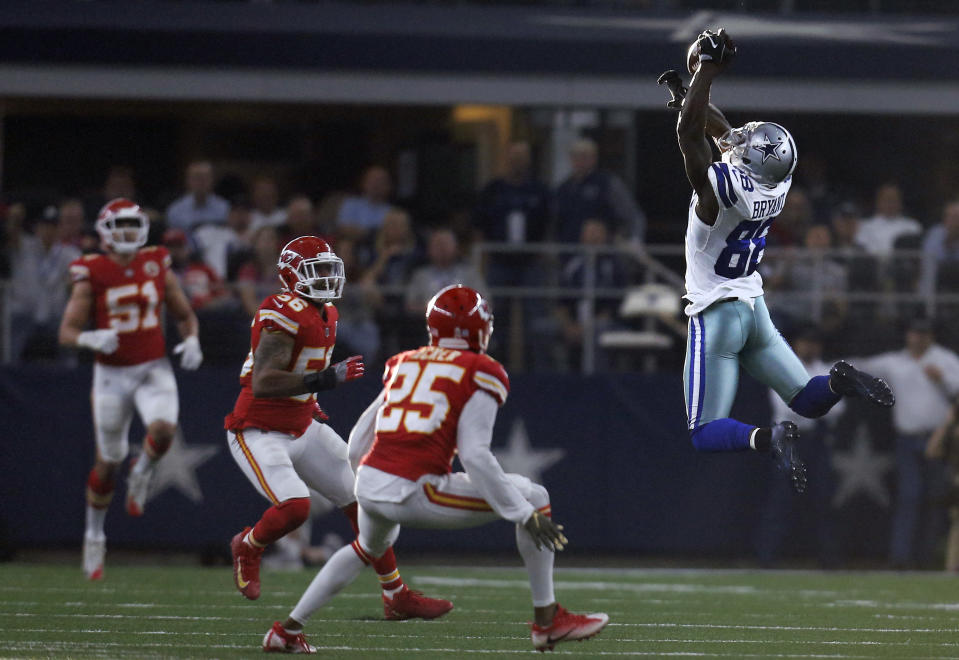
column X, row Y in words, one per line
column 176, row 611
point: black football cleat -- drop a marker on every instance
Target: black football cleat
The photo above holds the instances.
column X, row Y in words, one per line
column 846, row 380
column 785, row 435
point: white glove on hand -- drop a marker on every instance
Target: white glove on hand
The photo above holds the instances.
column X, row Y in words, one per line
column 191, row 357
column 102, row 341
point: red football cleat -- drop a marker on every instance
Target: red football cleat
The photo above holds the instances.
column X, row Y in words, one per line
column 567, row 627
column 409, row 604
column 246, row 565
column 278, row 640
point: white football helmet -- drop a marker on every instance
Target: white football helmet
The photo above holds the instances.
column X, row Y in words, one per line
column 764, row 149
column 120, row 219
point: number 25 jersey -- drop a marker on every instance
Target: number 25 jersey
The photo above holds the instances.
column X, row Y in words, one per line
column 127, row 299
column 426, row 389
column 313, row 329
column 721, row 260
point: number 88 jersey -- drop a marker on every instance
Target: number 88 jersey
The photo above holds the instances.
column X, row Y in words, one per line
column 426, row 389
column 722, row 259
column 313, row 329
column 127, row 299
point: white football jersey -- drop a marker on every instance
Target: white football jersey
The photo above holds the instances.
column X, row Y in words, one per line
column 721, row 260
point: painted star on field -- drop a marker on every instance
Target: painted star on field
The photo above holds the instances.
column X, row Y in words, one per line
column 177, row 469
column 520, row 457
column 861, row 470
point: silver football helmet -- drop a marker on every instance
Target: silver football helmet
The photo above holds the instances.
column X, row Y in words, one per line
column 764, row 149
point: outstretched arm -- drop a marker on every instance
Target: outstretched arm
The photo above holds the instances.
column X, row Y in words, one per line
column 691, row 131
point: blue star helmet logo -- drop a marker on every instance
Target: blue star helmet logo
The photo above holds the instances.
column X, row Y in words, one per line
column 768, row 149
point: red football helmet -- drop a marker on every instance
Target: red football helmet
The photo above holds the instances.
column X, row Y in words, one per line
column 120, row 219
column 459, row 317
column 309, row 268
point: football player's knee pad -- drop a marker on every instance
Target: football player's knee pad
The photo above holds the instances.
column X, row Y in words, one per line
column 110, row 414
column 538, row 496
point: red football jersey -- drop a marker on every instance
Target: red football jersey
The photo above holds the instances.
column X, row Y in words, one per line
column 425, row 391
column 128, row 299
column 313, row 330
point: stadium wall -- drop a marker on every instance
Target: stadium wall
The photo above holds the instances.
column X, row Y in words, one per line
column 612, row 450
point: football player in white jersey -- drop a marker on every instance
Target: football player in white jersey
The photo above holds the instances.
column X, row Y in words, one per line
column 735, row 200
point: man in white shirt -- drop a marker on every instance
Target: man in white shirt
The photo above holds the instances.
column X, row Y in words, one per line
column 200, row 204
column 925, row 377
column 878, row 234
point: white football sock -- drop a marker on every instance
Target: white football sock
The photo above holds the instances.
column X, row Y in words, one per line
column 539, row 566
column 95, row 521
column 336, row 574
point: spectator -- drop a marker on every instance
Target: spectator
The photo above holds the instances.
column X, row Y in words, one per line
column 266, row 208
column 300, row 219
column 782, row 504
column 925, row 378
column 845, row 225
column 360, row 216
column 356, row 329
column 809, row 279
column 444, row 268
column 878, row 234
column 790, row 227
column 119, row 183
column 200, row 204
column 220, row 246
column 71, row 222
column 939, row 247
column 944, row 446
column 256, row 279
column 592, row 192
column 560, row 336
column 512, row 209
column 40, row 280
column 202, row 286
column 394, row 249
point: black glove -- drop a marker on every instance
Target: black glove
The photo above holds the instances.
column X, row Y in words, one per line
column 716, row 47
column 674, row 83
column 545, row 532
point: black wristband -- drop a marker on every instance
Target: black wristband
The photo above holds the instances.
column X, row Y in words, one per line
column 320, row 380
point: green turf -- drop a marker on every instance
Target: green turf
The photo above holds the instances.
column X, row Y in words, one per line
column 172, row 611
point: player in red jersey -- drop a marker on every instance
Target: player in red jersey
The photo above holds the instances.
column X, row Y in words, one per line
column 123, row 291
column 439, row 400
column 272, row 433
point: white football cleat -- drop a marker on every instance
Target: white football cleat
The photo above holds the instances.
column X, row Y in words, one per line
column 277, row 640
column 94, row 551
column 138, row 487
column 567, row 627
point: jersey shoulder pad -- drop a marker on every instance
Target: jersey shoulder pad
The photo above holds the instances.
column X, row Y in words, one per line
column 82, row 268
column 490, row 376
column 391, row 365
column 274, row 314
column 332, row 313
column 157, row 252
column 728, row 185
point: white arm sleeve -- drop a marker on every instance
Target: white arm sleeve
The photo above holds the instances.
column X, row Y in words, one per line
column 364, row 432
column 473, row 437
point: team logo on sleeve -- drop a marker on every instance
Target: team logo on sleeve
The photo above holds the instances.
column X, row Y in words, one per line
column 151, row 268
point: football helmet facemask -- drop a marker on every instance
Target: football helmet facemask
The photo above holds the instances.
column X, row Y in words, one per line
column 459, row 317
column 123, row 226
column 764, row 149
column 309, row 268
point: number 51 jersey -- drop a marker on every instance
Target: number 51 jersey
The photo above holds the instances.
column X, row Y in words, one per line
column 313, row 329
column 128, row 299
column 721, row 260
column 426, row 389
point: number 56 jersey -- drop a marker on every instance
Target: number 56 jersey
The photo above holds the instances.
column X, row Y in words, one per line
column 721, row 260
column 426, row 389
column 128, row 299
column 313, row 329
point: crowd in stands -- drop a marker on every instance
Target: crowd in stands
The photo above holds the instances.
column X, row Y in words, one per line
column 224, row 249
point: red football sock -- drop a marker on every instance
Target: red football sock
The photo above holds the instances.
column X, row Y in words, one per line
column 281, row 519
column 385, row 566
column 99, row 491
column 155, row 449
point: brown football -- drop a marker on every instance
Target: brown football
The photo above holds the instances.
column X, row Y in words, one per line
column 692, row 57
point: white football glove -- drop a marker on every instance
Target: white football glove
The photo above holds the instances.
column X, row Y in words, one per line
column 102, row 341
column 191, row 357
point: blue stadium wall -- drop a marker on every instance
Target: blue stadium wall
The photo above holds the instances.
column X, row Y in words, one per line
column 612, row 450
